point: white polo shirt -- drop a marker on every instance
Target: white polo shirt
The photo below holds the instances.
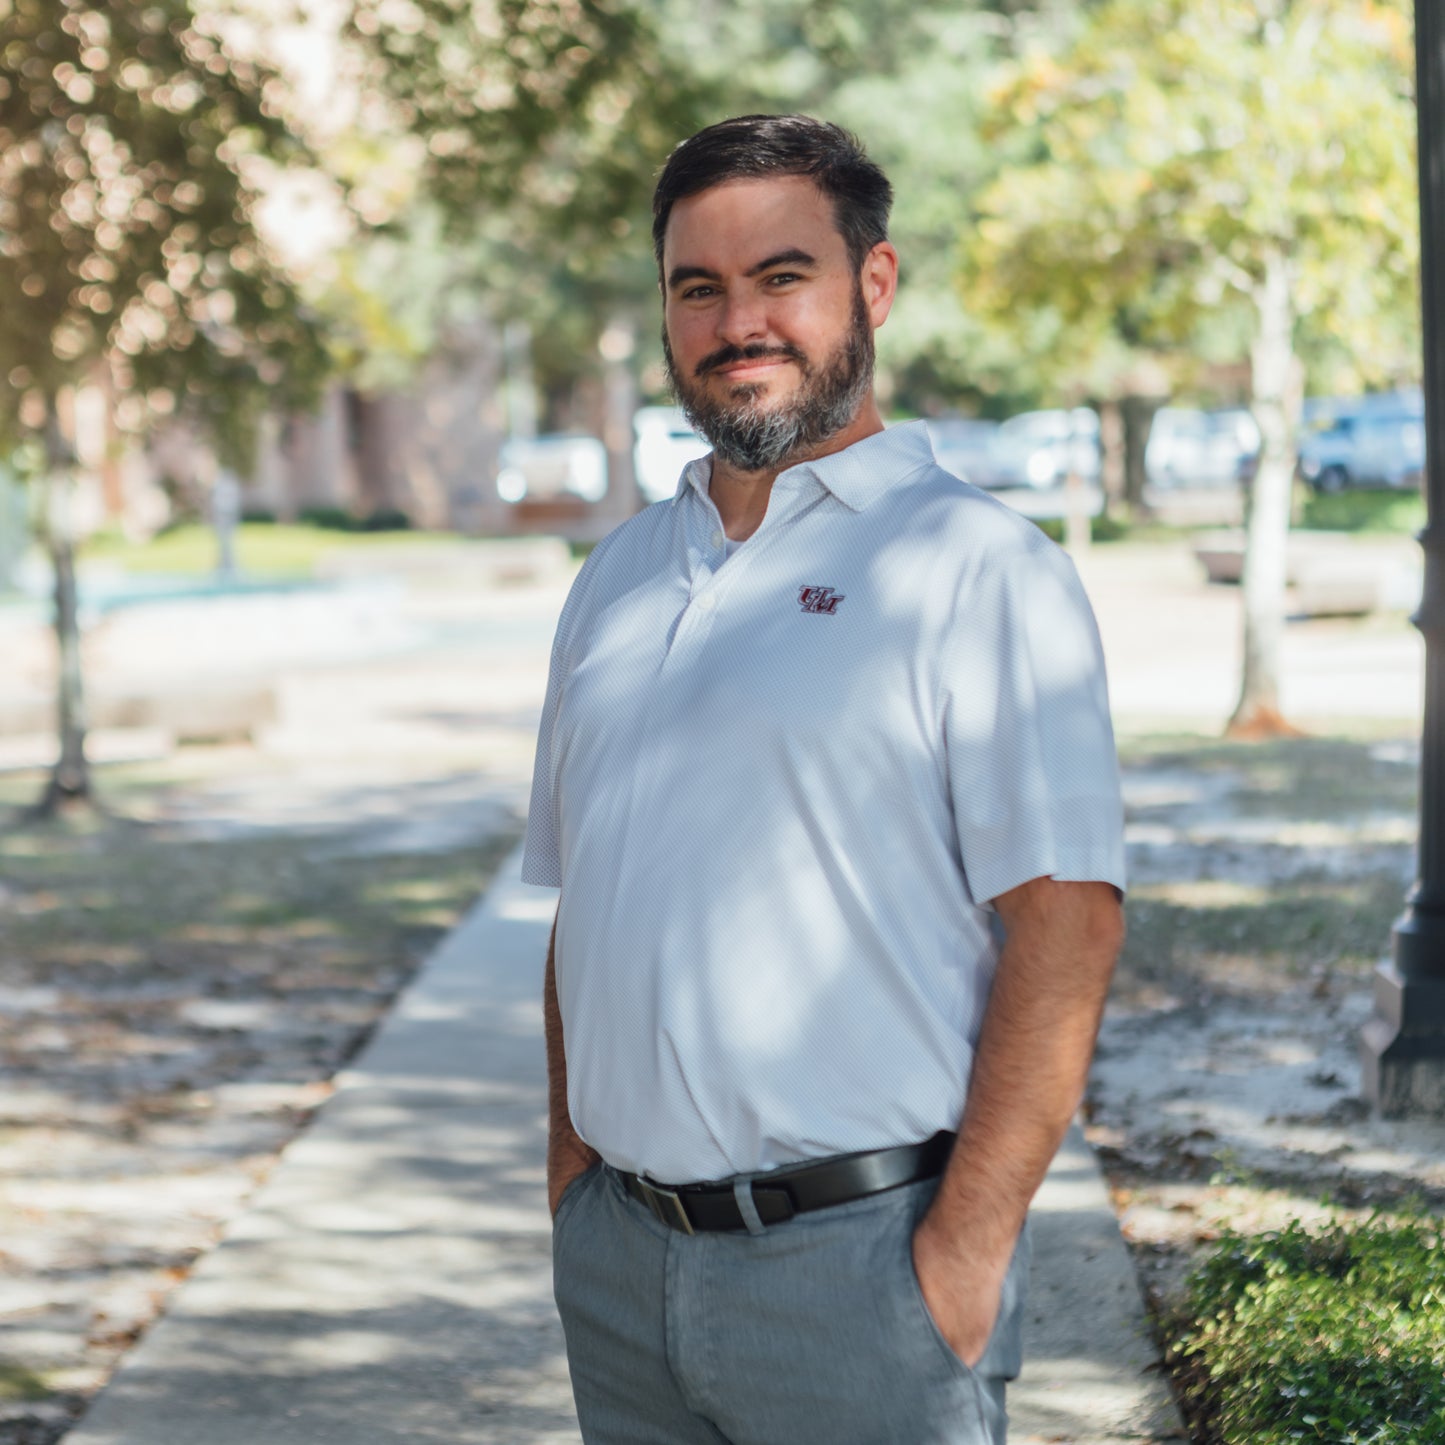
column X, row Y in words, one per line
column 778, row 795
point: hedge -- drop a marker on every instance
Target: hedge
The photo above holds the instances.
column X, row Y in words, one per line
column 1330, row 1335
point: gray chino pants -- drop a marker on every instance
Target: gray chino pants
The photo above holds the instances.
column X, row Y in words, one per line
column 812, row 1332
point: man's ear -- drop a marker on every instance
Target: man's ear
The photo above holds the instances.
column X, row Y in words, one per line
column 878, row 280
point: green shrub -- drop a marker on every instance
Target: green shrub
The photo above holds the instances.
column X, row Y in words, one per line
column 332, row 519
column 1364, row 512
column 1102, row 528
column 338, row 519
column 1334, row 1336
column 385, row 519
column 1105, row 528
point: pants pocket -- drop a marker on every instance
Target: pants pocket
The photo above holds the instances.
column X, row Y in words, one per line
column 923, row 1315
column 570, row 1195
column 1002, row 1355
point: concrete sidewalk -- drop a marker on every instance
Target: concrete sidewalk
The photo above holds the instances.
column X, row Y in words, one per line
column 392, row 1280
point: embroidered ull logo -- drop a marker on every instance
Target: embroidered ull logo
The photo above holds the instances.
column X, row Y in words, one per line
column 822, row 601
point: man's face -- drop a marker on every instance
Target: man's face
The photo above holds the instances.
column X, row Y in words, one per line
column 767, row 327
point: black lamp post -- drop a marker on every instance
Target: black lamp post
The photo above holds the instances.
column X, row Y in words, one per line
column 1403, row 1047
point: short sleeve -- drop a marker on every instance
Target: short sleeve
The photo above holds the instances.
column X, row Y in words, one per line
column 541, row 851
column 1033, row 775
column 541, row 855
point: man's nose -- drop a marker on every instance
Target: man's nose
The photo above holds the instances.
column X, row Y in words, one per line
column 742, row 318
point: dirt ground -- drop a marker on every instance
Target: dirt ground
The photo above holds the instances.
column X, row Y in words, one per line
column 1265, row 880
column 181, row 981
column 174, row 1002
column 178, row 985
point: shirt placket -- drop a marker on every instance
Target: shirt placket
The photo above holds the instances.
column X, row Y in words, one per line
column 704, row 548
column 709, row 583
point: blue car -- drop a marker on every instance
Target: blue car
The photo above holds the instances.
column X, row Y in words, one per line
column 1368, row 441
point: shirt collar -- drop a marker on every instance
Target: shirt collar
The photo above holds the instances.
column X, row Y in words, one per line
column 858, row 475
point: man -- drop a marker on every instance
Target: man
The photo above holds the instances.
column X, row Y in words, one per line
column 826, row 779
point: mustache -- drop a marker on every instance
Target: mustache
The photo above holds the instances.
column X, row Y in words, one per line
column 731, row 355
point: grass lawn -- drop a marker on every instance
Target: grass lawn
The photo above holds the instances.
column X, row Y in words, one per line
column 262, row 548
column 1290, row 801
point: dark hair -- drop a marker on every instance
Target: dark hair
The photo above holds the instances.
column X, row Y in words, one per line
column 753, row 146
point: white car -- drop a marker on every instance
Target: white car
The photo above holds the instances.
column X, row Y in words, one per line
column 1041, row 449
column 546, row 467
column 665, row 444
column 965, row 447
column 1192, row 448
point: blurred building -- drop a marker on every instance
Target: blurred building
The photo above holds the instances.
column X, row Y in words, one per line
column 429, row 453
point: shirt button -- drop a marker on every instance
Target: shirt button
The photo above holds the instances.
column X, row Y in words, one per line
column 707, row 602
column 717, row 539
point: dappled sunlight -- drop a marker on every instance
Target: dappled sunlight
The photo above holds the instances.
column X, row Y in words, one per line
column 1201, row 938
column 1204, row 893
column 1255, row 1090
column 1283, row 832
column 872, row 754
column 163, row 1042
column 409, row 890
column 93, row 953
column 403, row 1244
column 225, row 934
column 1226, row 1085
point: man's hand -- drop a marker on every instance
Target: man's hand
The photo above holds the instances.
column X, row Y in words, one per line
column 962, row 1293
column 1060, row 941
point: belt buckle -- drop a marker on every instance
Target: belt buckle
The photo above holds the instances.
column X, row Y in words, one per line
column 667, row 1207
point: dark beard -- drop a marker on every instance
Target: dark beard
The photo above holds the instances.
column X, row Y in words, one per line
column 752, row 438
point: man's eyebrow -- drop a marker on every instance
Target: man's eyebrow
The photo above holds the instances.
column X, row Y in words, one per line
column 679, row 274
column 793, row 256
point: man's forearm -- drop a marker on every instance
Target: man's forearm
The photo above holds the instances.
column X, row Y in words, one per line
column 567, row 1155
column 1028, row 1076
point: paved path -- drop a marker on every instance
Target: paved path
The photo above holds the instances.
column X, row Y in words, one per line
column 391, row 1281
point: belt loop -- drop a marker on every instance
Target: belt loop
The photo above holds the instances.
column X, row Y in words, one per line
column 747, row 1207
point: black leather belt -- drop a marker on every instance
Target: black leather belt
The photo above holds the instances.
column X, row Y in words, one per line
column 794, row 1189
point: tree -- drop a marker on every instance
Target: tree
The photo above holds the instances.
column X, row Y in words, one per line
column 543, row 126
column 132, row 145
column 1237, row 175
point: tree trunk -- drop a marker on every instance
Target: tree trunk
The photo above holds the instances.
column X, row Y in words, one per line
column 1138, row 413
column 1111, row 444
column 617, row 345
column 1276, row 408
column 70, row 778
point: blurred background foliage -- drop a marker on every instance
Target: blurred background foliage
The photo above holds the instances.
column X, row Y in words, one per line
column 1084, row 191
column 541, row 147
column 1159, row 162
column 134, row 144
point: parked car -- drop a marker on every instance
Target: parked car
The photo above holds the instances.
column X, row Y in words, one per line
column 1188, row 447
column 665, row 443
column 964, row 447
column 550, row 467
column 1041, row 449
column 1370, row 441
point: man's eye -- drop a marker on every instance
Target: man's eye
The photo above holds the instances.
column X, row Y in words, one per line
column 695, row 293
column 781, row 278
